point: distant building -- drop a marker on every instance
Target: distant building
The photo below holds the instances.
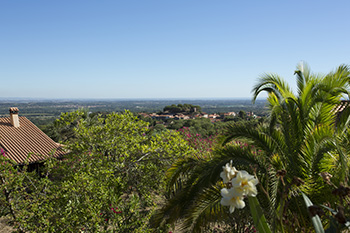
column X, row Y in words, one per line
column 231, row 114
column 214, row 116
column 19, row 137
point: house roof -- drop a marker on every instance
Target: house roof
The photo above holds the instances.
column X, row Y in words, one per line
column 27, row 139
column 14, row 109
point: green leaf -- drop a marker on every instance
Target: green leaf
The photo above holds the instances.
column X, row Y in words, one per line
column 330, row 209
column 258, row 216
column 316, row 221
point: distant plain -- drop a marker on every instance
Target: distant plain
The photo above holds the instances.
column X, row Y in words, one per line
column 43, row 111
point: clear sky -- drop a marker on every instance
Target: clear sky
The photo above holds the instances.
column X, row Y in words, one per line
column 164, row 48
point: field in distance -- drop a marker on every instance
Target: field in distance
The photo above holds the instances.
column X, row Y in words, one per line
column 41, row 112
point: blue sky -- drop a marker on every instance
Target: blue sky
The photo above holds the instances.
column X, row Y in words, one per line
column 164, row 48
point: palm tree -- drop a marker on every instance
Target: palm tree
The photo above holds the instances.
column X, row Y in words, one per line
column 302, row 137
column 301, row 140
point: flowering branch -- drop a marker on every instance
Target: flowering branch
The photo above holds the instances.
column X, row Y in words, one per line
column 241, row 184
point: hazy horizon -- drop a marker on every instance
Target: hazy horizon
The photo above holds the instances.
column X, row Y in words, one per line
column 122, row 99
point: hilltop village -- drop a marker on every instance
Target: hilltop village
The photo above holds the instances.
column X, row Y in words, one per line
column 188, row 116
column 176, row 116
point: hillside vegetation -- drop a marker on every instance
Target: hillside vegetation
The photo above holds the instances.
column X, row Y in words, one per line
column 123, row 172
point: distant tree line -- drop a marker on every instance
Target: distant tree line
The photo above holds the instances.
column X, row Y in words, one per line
column 182, row 108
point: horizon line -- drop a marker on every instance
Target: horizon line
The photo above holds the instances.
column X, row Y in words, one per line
column 125, row 99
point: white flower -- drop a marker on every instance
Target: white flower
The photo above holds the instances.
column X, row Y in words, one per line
column 231, row 198
column 245, row 184
column 229, row 172
column 242, row 184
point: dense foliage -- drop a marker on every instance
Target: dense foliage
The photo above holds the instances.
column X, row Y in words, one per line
column 303, row 140
column 123, row 174
column 110, row 182
column 182, row 108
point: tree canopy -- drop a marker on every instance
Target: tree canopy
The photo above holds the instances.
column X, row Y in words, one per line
column 182, row 108
column 107, row 183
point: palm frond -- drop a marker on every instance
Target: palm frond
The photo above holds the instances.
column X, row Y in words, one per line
column 272, row 84
column 205, row 210
column 303, row 137
column 260, row 136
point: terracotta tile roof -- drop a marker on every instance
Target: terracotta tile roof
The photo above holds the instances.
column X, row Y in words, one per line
column 14, row 109
column 27, row 139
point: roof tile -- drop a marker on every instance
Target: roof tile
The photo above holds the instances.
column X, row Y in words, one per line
column 26, row 140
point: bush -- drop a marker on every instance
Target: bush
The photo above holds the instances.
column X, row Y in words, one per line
column 107, row 183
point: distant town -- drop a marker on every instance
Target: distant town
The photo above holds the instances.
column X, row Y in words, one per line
column 215, row 117
column 43, row 112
